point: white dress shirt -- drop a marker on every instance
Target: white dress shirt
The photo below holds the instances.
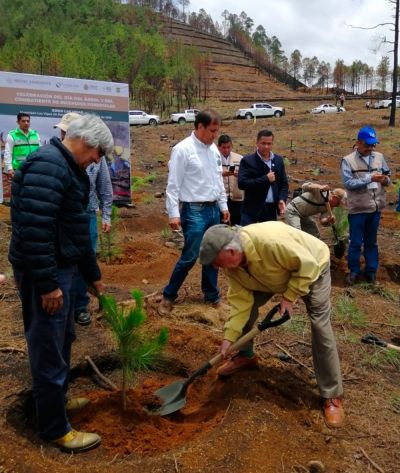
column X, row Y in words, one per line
column 270, row 163
column 195, row 175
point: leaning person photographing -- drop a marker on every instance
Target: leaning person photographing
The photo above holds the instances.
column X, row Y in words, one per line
column 273, row 258
column 49, row 243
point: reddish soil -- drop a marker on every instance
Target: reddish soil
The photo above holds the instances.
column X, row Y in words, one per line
column 264, row 420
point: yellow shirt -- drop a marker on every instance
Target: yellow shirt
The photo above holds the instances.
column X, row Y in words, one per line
column 279, row 259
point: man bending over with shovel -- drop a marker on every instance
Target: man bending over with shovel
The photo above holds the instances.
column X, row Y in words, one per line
column 268, row 258
column 311, row 202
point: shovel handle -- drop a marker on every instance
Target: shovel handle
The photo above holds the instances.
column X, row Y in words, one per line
column 268, row 322
column 374, row 340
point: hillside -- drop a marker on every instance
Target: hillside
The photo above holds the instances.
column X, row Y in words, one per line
column 231, row 75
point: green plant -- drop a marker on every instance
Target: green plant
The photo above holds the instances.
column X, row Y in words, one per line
column 395, row 403
column 166, row 232
column 347, row 312
column 108, row 247
column 378, row 290
column 341, row 224
column 139, row 182
column 316, row 171
column 381, row 357
column 296, row 325
column 286, row 162
column 136, row 351
column 149, row 199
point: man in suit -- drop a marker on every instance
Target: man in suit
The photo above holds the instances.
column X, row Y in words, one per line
column 263, row 177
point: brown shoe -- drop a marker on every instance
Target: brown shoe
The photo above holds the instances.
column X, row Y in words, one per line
column 333, row 412
column 237, row 363
column 165, row 307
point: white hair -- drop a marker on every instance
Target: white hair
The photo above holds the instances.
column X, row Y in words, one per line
column 236, row 243
column 94, row 132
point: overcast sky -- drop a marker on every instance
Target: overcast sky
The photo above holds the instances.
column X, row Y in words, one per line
column 316, row 27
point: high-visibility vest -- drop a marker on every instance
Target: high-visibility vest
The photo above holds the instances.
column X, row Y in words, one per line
column 23, row 145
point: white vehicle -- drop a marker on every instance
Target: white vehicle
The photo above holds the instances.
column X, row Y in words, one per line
column 259, row 110
column 138, row 117
column 387, row 103
column 188, row 115
column 327, row 108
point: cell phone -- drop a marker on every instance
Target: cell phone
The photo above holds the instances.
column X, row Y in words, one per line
column 231, row 168
column 386, row 173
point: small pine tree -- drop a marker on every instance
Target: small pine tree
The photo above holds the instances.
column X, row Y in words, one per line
column 342, row 223
column 108, row 247
column 136, row 351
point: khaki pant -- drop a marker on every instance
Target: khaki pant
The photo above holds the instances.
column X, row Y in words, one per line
column 325, row 355
column 307, row 224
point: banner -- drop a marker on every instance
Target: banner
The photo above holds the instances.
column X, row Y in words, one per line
column 48, row 98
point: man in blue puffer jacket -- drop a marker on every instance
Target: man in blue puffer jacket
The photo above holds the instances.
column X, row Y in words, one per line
column 49, row 243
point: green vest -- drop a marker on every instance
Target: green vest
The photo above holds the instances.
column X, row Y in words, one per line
column 23, row 145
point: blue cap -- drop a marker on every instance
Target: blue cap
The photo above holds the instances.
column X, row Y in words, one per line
column 368, row 135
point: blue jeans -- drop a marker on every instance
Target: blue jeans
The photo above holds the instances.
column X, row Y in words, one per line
column 49, row 339
column 82, row 298
column 363, row 232
column 195, row 220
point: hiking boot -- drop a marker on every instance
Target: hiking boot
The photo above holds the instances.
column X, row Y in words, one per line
column 83, row 317
column 352, row 278
column 77, row 403
column 237, row 363
column 333, row 412
column 74, row 441
column 165, row 307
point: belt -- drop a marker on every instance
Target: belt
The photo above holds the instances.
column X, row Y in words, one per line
column 207, row 203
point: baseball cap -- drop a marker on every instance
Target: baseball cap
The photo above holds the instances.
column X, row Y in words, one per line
column 214, row 239
column 368, row 135
column 66, row 120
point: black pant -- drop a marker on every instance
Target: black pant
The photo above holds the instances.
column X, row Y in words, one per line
column 235, row 210
column 268, row 213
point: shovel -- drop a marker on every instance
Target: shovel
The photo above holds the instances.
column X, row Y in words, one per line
column 173, row 397
column 339, row 248
column 374, row 340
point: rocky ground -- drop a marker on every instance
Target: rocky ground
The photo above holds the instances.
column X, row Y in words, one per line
column 266, row 420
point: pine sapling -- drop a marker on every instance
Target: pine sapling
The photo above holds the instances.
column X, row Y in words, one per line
column 136, row 351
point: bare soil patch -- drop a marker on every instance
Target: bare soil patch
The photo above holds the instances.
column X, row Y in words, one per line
column 264, row 420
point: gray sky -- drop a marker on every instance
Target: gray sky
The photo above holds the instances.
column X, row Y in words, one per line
column 317, row 27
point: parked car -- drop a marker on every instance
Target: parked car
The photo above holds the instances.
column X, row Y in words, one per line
column 328, row 108
column 138, row 117
column 387, row 103
column 259, row 110
column 188, row 115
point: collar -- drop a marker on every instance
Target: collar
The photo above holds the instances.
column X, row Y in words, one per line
column 225, row 160
column 264, row 160
column 197, row 141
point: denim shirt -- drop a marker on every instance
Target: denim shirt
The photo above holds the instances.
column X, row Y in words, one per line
column 101, row 194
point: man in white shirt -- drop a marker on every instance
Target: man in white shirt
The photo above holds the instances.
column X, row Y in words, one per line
column 195, row 198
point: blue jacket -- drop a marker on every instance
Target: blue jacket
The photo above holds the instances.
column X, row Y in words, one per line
column 253, row 180
column 50, row 224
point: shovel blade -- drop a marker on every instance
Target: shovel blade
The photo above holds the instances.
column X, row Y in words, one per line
column 173, row 398
column 339, row 249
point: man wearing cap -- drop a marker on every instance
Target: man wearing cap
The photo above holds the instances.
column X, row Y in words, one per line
column 365, row 175
column 100, row 196
column 273, row 258
column 195, row 198
column 312, row 201
column 20, row 143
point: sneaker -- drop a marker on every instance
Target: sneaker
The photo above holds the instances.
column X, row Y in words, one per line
column 76, row 403
column 165, row 307
column 83, row 317
column 74, row 441
column 237, row 363
column 333, row 412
